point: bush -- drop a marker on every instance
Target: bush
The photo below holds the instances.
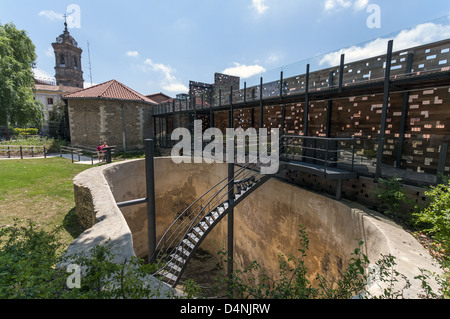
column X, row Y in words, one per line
column 293, row 282
column 434, row 219
column 391, row 195
column 25, row 131
column 27, row 262
column 30, row 268
column 52, row 145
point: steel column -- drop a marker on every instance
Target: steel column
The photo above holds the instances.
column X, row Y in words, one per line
column 387, row 82
column 261, row 105
column 230, row 233
column 305, row 118
column 341, row 73
column 150, row 189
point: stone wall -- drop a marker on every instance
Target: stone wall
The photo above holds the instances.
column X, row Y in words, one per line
column 124, row 124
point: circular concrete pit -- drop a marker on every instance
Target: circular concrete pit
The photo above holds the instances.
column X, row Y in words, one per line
column 266, row 223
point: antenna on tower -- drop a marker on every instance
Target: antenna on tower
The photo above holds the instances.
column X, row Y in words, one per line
column 89, row 56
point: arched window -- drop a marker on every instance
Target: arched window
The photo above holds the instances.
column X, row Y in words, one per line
column 62, row 61
column 75, row 63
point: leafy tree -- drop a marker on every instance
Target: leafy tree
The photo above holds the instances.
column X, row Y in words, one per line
column 59, row 121
column 17, row 58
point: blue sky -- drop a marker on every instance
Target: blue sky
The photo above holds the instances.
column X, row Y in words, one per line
column 159, row 46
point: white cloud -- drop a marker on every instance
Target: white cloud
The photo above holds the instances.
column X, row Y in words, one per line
column 345, row 4
column 361, row 4
column 419, row 35
column 175, row 87
column 43, row 75
column 169, row 81
column 273, row 58
column 244, row 71
column 52, row 15
column 132, row 53
column 260, row 6
column 334, row 4
column 50, row 52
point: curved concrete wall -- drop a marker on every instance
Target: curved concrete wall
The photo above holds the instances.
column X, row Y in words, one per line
column 266, row 223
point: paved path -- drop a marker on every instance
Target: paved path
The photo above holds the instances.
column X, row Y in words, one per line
column 83, row 159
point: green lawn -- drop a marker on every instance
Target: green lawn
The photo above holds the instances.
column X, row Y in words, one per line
column 40, row 190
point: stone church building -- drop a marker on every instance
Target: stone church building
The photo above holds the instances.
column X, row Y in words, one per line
column 68, row 75
column 108, row 112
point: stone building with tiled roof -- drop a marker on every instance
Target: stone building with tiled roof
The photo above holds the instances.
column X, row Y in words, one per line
column 159, row 97
column 110, row 112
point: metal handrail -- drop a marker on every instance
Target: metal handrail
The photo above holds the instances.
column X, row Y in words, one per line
column 212, row 202
column 326, row 151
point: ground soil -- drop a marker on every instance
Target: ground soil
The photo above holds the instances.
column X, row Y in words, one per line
column 206, row 272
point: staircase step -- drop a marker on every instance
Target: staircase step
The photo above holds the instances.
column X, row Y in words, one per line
column 209, row 220
column 215, row 214
column 194, row 239
column 183, row 250
column 177, row 259
column 204, row 225
column 174, row 267
column 199, row 231
column 188, row 243
column 168, row 276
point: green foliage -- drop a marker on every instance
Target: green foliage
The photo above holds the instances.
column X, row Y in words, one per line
column 105, row 279
column 52, row 145
column 17, row 58
column 434, row 219
column 31, row 262
column 25, row 131
column 293, row 282
column 28, row 256
column 31, row 267
column 391, row 195
column 352, row 282
column 59, row 122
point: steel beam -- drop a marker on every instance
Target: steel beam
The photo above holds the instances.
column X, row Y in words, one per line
column 387, row 82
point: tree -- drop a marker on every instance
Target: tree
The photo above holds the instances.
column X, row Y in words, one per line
column 17, row 58
column 58, row 119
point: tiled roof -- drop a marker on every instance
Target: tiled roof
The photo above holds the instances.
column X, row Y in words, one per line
column 113, row 90
column 55, row 88
column 159, row 97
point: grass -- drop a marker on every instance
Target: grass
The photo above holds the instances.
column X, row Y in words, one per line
column 40, row 190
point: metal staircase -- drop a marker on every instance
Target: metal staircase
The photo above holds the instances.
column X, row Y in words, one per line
column 191, row 227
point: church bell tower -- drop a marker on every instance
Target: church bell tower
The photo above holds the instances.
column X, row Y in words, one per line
column 68, row 70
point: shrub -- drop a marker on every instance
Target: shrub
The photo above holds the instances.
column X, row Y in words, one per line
column 30, row 268
column 434, row 219
column 391, row 195
column 28, row 257
column 25, row 131
column 292, row 282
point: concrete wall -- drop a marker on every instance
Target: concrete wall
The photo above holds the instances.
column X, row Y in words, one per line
column 266, row 223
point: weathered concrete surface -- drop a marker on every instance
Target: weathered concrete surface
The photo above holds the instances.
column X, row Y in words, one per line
column 270, row 217
column 96, row 209
column 266, row 223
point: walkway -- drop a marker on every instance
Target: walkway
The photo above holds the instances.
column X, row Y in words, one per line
column 83, row 159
